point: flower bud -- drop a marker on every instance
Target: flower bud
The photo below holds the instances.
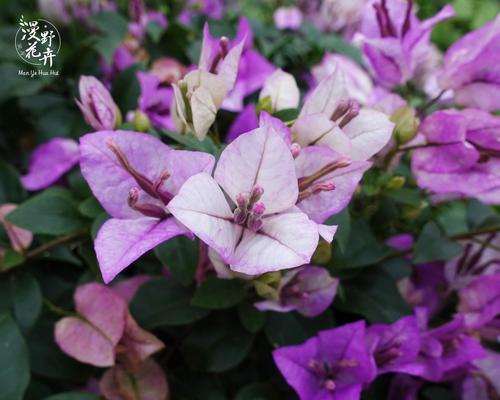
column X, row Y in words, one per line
column 395, row 183
column 97, row 105
column 141, row 121
column 282, row 90
column 407, row 124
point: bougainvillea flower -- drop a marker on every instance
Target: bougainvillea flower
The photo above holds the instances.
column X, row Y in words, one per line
column 245, row 121
column 146, row 382
column 103, row 329
column 252, row 71
column 49, row 162
column 141, row 18
column 327, row 181
column 461, row 154
column 471, row 68
column 309, row 290
column 393, row 346
column 357, row 81
column 282, row 90
column 394, row 41
column 482, row 381
column 97, row 105
column 478, row 259
column 134, row 176
column 168, row 70
column 213, row 9
column 127, row 288
column 155, row 100
column 334, row 365
column 197, row 99
column 247, row 213
column 330, row 117
column 480, row 301
column 427, row 285
column 288, row 18
column 20, row 239
column 122, row 59
column 443, row 349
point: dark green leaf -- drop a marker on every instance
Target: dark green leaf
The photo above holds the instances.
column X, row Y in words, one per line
column 164, row 303
column 73, row 396
column 453, row 218
column 26, row 299
column 12, row 259
column 252, row 319
column 213, row 349
column 217, row 293
column 343, row 221
column 52, row 212
column 180, row 256
column 433, row 245
column 14, row 360
column 374, row 295
column 11, row 190
column 257, row 391
column 288, row 114
column 112, row 28
column 192, row 143
column 90, row 208
column 126, row 89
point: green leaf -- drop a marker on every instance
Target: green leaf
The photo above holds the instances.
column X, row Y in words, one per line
column 52, row 212
column 406, row 196
column 73, row 396
column 453, row 218
column 288, row 114
column 12, row 259
column 213, row 349
column 164, row 303
column 216, row 294
column 257, row 391
column 126, row 89
column 192, row 143
column 11, row 190
column 363, row 249
column 154, row 30
column 343, row 220
column 26, row 300
column 433, row 245
column 112, row 27
column 180, row 256
column 252, row 319
column 90, row 208
column 14, row 362
column 374, row 295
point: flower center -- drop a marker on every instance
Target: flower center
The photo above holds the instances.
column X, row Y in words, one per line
column 345, row 112
column 152, row 188
column 309, row 185
column 250, row 209
column 221, row 54
column 327, row 373
column 388, row 353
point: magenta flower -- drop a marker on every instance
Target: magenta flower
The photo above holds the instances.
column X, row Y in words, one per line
column 357, row 81
column 394, row 41
column 333, row 365
column 155, row 100
column 20, row 239
column 140, row 18
column 330, row 117
column 134, row 176
column 393, row 346
column 247, row 213
column 288, row 18
column 461, row 155
column 245, row 121
column 404, row 387
column 145, row 382
column 253, row 69
column 309, row 290
column 478, row 259
column 442, row 349
column 97, row 105
column 49, row 162
column 103, row 330
column 327, row 181
column 480, row 304
column 482, row 381
column 471, row 68
column 168, row 70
